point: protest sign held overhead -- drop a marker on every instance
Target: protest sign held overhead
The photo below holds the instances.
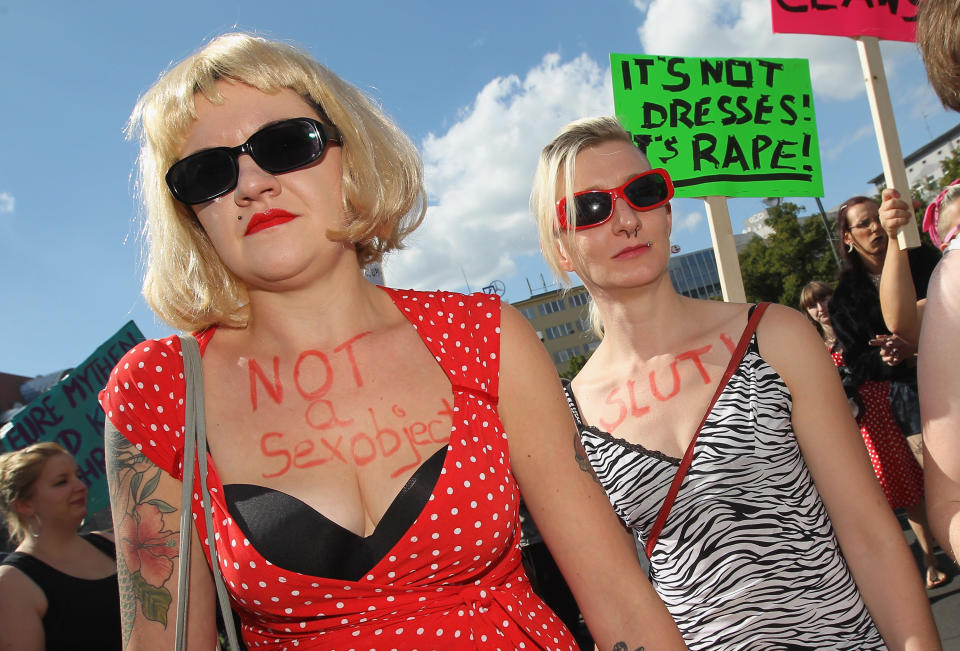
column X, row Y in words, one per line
column 722, row 127
column 893, row 20
column 69, row 414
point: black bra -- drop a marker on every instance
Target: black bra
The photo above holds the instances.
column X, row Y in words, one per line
column 291, row 535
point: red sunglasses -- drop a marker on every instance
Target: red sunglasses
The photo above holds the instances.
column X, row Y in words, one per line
column 643, row 192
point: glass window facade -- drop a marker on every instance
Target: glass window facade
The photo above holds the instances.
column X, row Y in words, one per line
column 695, row 274
column 578, row 299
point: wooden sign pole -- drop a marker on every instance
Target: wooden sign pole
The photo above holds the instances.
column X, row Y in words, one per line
column 725, row 250
column 894, row 170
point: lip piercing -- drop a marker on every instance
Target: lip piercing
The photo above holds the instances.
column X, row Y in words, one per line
column 674, row 248
column 239, row 217
column 649, row 243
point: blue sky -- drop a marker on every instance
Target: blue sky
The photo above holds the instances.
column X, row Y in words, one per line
column 480, row 87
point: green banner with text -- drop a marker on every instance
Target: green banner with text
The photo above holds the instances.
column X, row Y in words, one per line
column 724, row 127
column 69, row 414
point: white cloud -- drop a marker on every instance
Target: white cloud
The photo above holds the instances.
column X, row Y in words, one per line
column 7, row 202
column 838, row 147
column 480, row 171
column 689, row 222
column 725, row 28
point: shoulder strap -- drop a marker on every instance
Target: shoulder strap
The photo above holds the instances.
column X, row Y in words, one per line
column 572, row 401
column 195, row 438
column 104, row 545
column 741, row 349
column 35, row 569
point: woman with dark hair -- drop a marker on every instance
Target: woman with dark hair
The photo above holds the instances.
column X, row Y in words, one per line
column 876, row 360
column 814, row 299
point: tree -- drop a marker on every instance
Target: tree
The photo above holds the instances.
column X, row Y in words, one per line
column 950, row 167
column 574, row 365
column 776, row 268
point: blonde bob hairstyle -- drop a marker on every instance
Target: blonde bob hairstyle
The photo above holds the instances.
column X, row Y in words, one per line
column 19, row 471
column 185, row 282
column 555, row 170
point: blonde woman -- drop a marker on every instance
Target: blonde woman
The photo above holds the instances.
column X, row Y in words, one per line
column 58, row 589
column 723, row 439
column 367, row 445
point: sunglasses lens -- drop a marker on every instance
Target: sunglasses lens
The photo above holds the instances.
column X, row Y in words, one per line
column 592, row 208
column 286, row 146
column 278, row 148
column 202, row 176
column 646, row 191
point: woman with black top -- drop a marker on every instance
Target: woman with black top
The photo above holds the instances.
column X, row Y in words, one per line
column 880, row 365
column 58, row 589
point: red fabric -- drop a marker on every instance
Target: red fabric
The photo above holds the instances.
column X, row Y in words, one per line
column 898, row 472
column 453, row 582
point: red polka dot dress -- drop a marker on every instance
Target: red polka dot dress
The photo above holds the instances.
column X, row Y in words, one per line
column 898, row 472
column 453, row 581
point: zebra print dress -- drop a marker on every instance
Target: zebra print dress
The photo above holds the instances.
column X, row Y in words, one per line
column 746, row 557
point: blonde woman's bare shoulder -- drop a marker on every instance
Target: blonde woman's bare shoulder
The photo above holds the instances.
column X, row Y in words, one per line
column 789, row 342
column 715, row 315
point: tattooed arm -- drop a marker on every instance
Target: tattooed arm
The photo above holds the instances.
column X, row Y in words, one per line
column 145, row 502
column 585, row 536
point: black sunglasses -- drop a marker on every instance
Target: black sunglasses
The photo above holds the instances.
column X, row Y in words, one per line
column 276, row 148
column 642, row 192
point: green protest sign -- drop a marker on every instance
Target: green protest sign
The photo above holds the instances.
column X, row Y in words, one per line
column 722, row 127
column 70, row 415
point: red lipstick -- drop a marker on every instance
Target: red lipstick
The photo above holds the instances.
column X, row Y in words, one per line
column 632, row 251
column 268, row 219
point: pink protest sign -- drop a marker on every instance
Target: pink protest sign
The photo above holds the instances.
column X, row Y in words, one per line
column 893, row 20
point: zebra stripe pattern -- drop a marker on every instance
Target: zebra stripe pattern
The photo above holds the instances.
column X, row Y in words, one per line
column 747, row 558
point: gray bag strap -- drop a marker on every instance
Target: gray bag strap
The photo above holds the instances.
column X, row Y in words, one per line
column 195, row 448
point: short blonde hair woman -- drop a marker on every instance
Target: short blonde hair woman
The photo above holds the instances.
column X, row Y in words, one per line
column 716, row 432
column 186, row 283
column 366, row 444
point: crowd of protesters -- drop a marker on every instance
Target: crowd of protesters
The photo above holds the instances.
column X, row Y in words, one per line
column 762, row 518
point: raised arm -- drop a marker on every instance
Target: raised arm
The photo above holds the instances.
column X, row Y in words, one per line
column 869, row 535
column 939, row 385
column 597, row 558
column 145, row 502
column 898, row 297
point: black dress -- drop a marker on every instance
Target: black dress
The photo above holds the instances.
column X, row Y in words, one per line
column 856, row 318
column 82, row 614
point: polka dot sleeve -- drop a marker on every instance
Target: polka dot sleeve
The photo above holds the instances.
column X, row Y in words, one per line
column 144, row 399
column 484, row 317
column 468, row 342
